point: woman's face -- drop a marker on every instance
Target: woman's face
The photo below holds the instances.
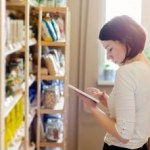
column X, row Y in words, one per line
column 116, row 51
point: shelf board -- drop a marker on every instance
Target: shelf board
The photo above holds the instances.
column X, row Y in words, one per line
column 51, row 111
column 61, row 10
column 49, row 77
column 13, row 48
column 12, row 103
column 32, row 41
column 59, row 143
column 16, row 3
column 19, row 46
column 60, row 43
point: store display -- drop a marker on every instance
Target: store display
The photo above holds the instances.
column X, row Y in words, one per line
column 15, row 41
column 52, row 99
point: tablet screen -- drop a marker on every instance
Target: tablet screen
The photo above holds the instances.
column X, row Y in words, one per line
column 83, row 93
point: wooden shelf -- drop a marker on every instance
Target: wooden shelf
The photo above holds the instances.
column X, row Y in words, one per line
column 61, row 43
column 60, row 143
column 13, row 48
column 16, row 3
column 59, row 10
column 14, row 44
column 48, row 77
column 19, row 46
column 50, row 111
column 64, row 46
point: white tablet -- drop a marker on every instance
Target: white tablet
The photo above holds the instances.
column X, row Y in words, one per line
column 83, row 93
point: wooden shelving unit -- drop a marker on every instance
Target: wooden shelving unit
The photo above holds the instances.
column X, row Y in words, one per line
column 7, row 104
column 61, row 107
column 2, row 70
column 48, row 77
column 55, row 44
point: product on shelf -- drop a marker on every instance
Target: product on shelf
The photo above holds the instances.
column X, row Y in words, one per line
column 54, row 61
column 53, row 129
column 51, row 65
column 51, row 96
column 13, row 122
column 50, row 29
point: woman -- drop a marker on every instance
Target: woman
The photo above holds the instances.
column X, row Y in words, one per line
column 128, row 122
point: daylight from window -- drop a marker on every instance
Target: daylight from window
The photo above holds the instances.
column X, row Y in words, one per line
column 123, row 7
column 114, row 8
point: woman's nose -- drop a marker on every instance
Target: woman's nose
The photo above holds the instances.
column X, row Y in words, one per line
column 108, row 56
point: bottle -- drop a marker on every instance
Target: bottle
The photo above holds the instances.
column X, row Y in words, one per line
column 53, row 129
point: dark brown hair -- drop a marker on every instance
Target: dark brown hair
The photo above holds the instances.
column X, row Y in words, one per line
column 125, row 30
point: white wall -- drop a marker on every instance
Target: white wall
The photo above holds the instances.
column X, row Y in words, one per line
column 84, row 132
column 74, row 7
column 146, row 18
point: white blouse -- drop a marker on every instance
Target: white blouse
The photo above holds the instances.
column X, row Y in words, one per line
column 129, row 104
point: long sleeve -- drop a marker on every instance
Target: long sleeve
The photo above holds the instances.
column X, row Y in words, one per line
column 124, row 95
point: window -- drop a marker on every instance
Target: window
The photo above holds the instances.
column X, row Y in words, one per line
column 132, row 8
column 121, row 7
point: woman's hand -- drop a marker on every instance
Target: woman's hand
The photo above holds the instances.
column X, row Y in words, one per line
column 100, row 95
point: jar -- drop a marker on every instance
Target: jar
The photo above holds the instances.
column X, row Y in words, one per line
column 53, row 129
column 51, row 97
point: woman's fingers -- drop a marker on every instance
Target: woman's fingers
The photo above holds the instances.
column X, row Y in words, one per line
column 95, row 92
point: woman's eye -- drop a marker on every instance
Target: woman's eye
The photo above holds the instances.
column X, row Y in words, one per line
column 109, row 50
